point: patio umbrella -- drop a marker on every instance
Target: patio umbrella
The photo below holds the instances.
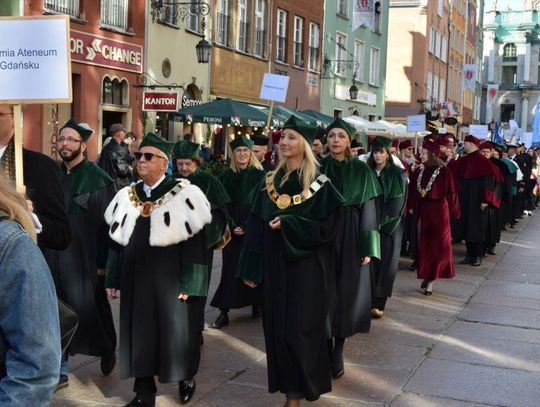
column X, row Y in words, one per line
column 323, row 118
column 369, row 128
column 223, row 111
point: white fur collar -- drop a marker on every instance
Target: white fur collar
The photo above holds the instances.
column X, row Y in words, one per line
column 175, row 221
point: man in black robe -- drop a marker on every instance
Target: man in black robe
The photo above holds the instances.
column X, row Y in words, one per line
column 80, row 269
column 159, row 223
column 259, row 150
column 475, row 174
column 115, row 158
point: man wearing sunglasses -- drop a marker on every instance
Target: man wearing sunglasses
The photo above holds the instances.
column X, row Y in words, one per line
column 80, row 280
column 159, row 223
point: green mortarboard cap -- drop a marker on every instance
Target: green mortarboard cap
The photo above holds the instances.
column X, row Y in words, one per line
column 339, row 123
column 241, row 141
column 381, row 141
column 151, row 140
column 185, row 149
column 85, row 132
column 307, row 130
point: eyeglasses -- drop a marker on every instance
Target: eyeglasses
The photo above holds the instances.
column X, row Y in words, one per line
column 69, row 140
column 147, row 156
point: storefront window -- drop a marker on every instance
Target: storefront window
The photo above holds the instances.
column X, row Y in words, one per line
column 115, row 92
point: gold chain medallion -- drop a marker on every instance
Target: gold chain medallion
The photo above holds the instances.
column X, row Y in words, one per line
column 283, row 201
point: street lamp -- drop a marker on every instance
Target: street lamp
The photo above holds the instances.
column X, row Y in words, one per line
column 353, row 91
column 203, row 49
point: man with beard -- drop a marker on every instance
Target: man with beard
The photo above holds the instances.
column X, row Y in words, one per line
column 80, row 278
column 159, row 222
column 475, row 174
column 260, row 148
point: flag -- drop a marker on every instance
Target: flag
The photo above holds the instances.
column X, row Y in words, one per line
column 469, row 76
column 496, row 136
column 536, row 124
column 451, row 109
column 492, row 91
column 363, row 14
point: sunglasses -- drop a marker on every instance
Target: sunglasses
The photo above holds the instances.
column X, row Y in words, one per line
column 147, row 156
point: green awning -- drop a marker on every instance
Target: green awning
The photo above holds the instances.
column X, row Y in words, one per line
column 323, row 118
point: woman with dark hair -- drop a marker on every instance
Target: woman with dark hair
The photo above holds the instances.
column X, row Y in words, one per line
column 434, row 201
column 393, row 181
column 357, row 238
column 289, row 250
column 240, row 180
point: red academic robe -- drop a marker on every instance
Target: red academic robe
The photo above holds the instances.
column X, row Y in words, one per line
column 431, row 225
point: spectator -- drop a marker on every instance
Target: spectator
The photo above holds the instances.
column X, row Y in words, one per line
column 115, row 158
column 30, row 340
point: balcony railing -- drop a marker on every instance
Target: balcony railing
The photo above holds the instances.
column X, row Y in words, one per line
column 69, row 7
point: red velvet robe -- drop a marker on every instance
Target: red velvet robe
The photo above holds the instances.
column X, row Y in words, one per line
column 431, row 225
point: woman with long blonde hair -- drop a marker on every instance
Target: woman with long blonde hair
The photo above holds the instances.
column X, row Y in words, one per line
column 289, row 252
column 30, row 344
column 239, row 181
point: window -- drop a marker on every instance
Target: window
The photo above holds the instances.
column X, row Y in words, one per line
column 115, row 92
column 374, row 66
column 281, row 44
column 444, row 49
column 242, row 26
column 507, row 112
column 192, row 22
column 313, row 46
column 298, row 59
column 435, row 89
column 428, row 85
column 510, row 53
column 222, row 22
column 170, row 15
column 342, row 8
column 438, row 44
column 442, row 89
column 509, row 75
column 259, row 28
column 359, row 51
column 439, row 7
column 114, row 13
column 377, row 21
column 431, row 40
column 69, row 7
column 341, row 53
column 338, row 113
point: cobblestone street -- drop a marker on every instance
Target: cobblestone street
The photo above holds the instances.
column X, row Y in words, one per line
column 476, row 341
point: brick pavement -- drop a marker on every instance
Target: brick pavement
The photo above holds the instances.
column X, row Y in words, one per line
column 475, row 342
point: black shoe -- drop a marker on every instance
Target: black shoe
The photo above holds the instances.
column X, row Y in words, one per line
column 338, row 368
column 221, row 321
column 466, row 260
column 108, row 363
column 255, row 311
column 142, row 401
column 63, row 382
column 492, row 252
column 428, row 293
column 186, row 390
column 424, row 284
column 477, row 261
column 412, row 267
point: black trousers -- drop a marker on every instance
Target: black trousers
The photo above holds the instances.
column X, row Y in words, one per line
column 379, row 303
column 145, row 386
column 474, row 249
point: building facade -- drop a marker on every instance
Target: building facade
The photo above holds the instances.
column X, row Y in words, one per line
column 357, row 58
column 107, row 51
column 418, row 54
column 460, row 51
column 511, row 61
column 171, row 66
column 296, row 50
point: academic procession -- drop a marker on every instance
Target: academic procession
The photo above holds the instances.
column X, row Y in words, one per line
column 264, row 239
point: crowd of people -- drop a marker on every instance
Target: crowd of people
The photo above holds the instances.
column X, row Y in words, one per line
column 311, row 227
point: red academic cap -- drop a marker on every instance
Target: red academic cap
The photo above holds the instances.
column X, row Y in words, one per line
column 443, row 141
column 395, row 143
column 485, row 145
column 405, row 144
column 471, row 139
column 431, row 147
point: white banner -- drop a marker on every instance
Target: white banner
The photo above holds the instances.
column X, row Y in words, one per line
column 469, row 76
column 416, row 122
column 492, row 91
column 479, row 130
column 363, row 13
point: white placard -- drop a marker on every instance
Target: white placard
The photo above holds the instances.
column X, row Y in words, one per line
column 479, row 130
column 527, row 138
column 416, row 123
column 35, row 64
column 274, row 87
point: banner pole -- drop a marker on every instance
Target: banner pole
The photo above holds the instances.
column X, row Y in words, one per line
column 18, row 139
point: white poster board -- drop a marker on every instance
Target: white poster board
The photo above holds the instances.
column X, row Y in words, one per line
column 274, row 87
column 35, row 62
column 416, row 123
column 479, row 130
column 527, row 138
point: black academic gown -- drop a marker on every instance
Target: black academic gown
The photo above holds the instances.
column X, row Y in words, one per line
column 393, row 181
column 231, row 293
column 159, row 333
column 357, row 237
column 294, row 266
column 75, row 268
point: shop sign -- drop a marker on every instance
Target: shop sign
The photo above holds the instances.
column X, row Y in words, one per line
column 186, row 102
column 160, row 101
column 366, row 98
column 95, row 50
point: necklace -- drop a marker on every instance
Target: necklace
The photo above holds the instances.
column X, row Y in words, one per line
column 147, row 207
column 283, row 201
column 423, row 191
